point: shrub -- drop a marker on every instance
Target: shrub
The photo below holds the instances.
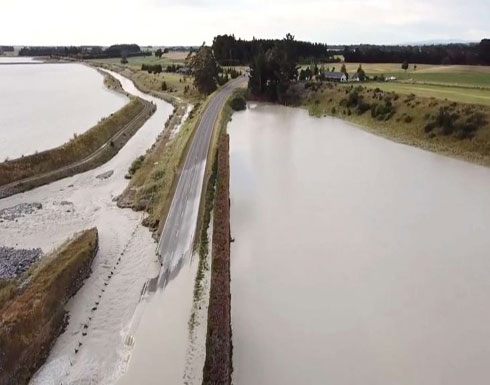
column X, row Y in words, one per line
column 408, row 119
column 238, row 103
column 429, row 127
column 136, row 164
column 362, row 106
column 374, row 107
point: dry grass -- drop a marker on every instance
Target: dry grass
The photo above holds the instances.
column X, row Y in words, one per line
column 34, row 316
column 75, row 150
column 178, row 56
column 178, row 85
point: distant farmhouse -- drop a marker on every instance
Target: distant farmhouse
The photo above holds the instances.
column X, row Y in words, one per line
column 335, row 76
column 355, row 78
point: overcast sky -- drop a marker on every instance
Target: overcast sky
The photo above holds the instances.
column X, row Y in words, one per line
column 190, row 22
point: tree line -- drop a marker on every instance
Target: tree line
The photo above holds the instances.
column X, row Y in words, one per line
column 230, row 51
column 117, row 50
column 466, row 54
column 273, row 69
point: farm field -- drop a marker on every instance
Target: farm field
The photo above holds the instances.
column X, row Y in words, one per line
column 462, row 75
column 167, row 59
column 453, row 93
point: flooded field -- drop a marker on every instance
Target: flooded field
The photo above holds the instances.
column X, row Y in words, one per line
column 356, row 260
column 17, row 59
column 44, row 105
column 126, row 248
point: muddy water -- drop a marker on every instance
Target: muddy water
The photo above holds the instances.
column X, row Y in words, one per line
column 126, row 249
column 44, row 105
column 18, row 59
column 357, row 260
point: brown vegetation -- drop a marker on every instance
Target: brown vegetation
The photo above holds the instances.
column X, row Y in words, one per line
column 34, row 315
column 218, row 365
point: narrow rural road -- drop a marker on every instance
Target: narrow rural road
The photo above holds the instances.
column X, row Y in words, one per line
column 178, row 233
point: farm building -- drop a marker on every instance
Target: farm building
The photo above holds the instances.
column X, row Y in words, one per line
column 335, row 76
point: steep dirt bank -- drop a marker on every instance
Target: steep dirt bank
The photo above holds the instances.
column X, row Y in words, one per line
column 84, row 152
column 218, row 364
column 34, row 315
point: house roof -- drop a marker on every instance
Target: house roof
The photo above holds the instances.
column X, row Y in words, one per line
column 334, row 75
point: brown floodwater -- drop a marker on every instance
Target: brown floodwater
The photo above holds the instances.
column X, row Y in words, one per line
column 356, row 260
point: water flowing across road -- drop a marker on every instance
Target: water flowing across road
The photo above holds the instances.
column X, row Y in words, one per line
column 161, row 337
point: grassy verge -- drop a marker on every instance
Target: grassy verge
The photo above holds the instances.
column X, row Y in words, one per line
column 454, row 129
column 79, row 147
column 153, row 183
column 32, row 311
column 218, row 365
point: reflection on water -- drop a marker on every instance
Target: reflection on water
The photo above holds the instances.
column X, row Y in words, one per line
column 44, row 105
column 356, row 260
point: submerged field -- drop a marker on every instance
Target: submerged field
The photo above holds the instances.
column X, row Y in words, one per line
column 356, row 260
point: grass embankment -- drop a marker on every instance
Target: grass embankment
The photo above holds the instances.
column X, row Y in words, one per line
column 32, row 313
column 459, row 130
column 153, row 182
column 82, row 153
column 218, row 365
column 112, row 83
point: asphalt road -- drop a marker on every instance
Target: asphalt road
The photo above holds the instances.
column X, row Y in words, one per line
column 177, row 237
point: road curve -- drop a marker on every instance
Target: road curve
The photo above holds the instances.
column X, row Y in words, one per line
column 178, row 233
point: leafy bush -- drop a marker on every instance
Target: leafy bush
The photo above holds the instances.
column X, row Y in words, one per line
column 362, row 106
column 152, row 68
column 136, row 164
column 238, row 103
